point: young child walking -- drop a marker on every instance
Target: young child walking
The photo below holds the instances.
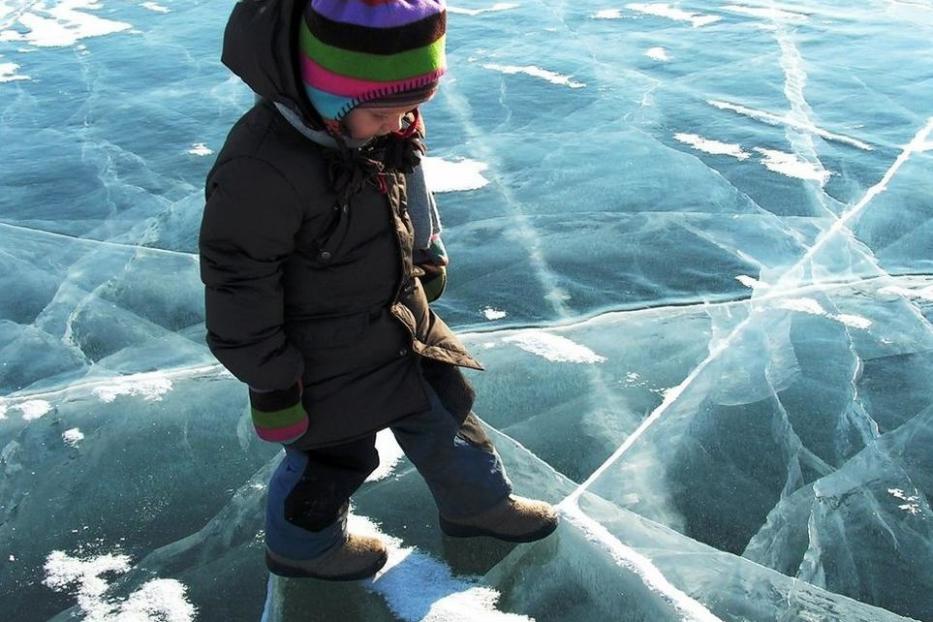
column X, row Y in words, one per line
column 317, row 282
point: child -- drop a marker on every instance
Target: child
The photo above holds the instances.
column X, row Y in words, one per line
column 312, row 296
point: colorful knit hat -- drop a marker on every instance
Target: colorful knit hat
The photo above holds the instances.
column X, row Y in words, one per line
column 386, row 53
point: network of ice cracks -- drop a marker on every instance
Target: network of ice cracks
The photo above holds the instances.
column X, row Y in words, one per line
column 736, row 448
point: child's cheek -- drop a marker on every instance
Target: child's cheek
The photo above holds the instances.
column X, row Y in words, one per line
column 364, row 130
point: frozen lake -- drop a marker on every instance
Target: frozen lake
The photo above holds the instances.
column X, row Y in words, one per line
column 691, row 242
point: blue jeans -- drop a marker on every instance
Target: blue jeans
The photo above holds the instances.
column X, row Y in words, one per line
column 308, row 496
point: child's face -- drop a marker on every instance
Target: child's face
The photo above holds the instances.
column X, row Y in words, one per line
column 366, row 123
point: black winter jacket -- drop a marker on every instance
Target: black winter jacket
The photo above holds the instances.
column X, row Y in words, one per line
column 306, row 258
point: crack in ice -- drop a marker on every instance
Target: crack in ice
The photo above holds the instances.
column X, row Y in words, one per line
column 720, row 346
column 775, row 119
column 93, row 242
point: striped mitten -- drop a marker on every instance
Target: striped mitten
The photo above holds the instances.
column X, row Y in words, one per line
column 278, row 414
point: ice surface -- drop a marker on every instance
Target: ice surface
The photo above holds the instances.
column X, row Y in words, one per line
column 691, row 242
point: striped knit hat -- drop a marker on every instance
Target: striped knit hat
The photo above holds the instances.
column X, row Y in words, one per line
column 373, row 53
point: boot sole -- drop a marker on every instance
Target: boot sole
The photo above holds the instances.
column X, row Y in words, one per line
column 294, row 572
column 455, row 530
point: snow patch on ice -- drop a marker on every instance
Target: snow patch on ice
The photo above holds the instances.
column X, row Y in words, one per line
column 554, row 347
column 158, row 600
column 804, row 305
column 453, row 175
column 770, row 13
column 8, row 73
column 791, row 165
column 633, row 379
column 855, row 321
column 537, row 72
column 665, row 10
column 808, row 305
column 712, row 146
column 72, row 436
column 608, row 14
column 499, row 6
column 33, row 409
column 748, row 281
column 418, row 587
column 776, row 119
column 658, row 54
column 149, row 385
column 155, row 7
column 389, row 455
column 63, row 24
column 200, row 149
column 923, row 294
column 912, row 506
column 493, row 314
column 161, row 600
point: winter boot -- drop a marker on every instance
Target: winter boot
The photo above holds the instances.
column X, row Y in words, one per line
column 514, row 519
column 357, row 557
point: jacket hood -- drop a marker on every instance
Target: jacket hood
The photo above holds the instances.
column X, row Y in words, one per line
column 321, row 137
column 260, row 43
